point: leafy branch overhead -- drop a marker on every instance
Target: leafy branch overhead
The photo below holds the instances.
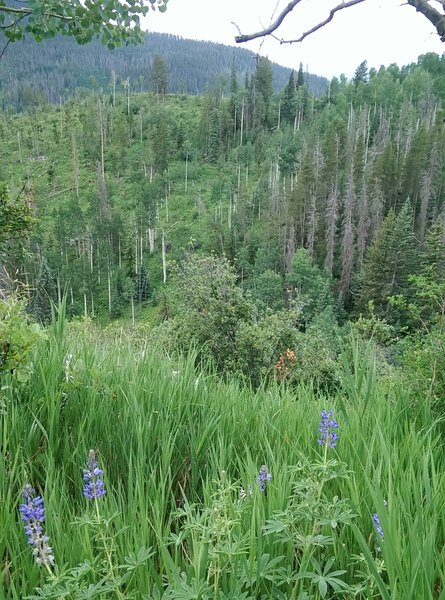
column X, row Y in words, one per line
column 113, row 21
column 426, row 7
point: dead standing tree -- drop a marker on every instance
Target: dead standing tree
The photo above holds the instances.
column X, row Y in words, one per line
column 426, row 7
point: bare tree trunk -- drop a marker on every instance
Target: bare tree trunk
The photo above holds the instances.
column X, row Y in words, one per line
column 289, row 251
column 242, row 123
column 20, row 146
column 347, row 246
column 363, row 225
column 331, row 227
column 75, row 164
column 164, row 261
column 151, row 239
column 109, row 291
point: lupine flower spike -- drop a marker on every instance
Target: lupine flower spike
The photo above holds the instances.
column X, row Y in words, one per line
column 33, row 516
column 263, row 477
column 93, row 479
column 327, row 426
column 377, row 525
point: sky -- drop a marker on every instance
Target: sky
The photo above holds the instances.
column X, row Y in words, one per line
column 379, row 31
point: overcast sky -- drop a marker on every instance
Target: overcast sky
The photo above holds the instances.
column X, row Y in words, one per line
column 380, row 31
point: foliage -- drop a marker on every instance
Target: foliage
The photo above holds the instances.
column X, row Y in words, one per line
column 44, row 295
column 88, row 67
column 371, row 327
column 208, row 308
column 18, row 338
column 316, row 352
column 177, row 445
column 124, row 183
column 16, row 219
column 259, row 344
column 389, row 261
column 423, row 352
column 311, row 287
column 115, row 22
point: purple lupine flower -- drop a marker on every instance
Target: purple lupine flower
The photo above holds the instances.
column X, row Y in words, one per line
column 263, row 477
column 327, row 426
column 33, row 516
column 92, row 476
column 377, row 525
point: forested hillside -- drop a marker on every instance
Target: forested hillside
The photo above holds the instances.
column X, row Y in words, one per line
column 33, row 73
column 324, row 208
column 222, row 328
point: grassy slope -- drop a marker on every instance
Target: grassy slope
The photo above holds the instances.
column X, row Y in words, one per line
column 164, row 437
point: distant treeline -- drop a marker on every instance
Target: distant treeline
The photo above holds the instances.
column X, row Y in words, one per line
column 32, row 73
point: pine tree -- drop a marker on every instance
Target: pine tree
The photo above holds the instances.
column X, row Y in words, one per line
column 361, row 73
column 159, row 75
column 388, row 262
column 142, row 285
column 161, row 143
column 44, row 294
column 300, row 77
column 289, row 105
column 263, row 79
column 214, row 143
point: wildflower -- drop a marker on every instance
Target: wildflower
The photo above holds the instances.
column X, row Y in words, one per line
column 263, row 477
column 377, row 525
column 33, row 515
column 92, row 476
column 327, row 425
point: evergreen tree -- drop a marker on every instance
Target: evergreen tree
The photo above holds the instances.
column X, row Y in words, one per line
column 161, row 143
column 263, row 79
column 159, row 75
column 233, row 105
column 262, row 91
column 44, row 293
column 310, row 287
column 214, row 143
column 361, row 73
column 142, row 286
column 289, row 104
column 433, row 254
column 388, row 262
column 300, row 77
column 120, row 295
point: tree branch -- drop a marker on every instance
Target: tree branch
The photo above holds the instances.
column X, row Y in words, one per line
column 4, row 49
column 323, row 23
column 25, row 12
column 433, row 15
column 239, row 39
column 13, row 23
column 422, row 6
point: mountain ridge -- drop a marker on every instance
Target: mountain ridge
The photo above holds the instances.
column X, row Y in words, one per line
column 50, row 71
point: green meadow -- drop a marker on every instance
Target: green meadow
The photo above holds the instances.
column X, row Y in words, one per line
column 184, row 515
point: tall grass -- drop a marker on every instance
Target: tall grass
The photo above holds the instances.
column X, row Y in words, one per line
column 177, row 445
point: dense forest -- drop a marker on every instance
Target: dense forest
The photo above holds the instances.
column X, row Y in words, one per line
column 211, row 271
column 327, row 205
column 33, row 73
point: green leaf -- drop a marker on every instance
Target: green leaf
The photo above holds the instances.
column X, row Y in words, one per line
column 322, row 587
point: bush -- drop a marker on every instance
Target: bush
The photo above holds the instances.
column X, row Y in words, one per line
column 17, row 339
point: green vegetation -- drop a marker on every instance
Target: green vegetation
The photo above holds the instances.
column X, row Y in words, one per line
column 33, row 74
column 181, row 451
column 213, row 272
column 112, row 21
